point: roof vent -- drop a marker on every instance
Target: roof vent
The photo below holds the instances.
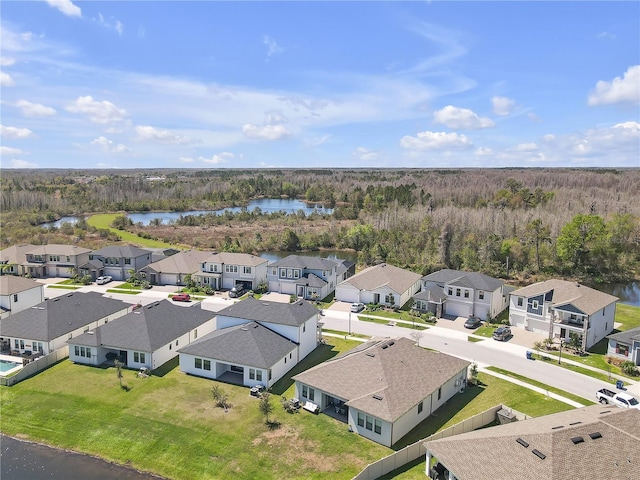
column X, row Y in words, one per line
column 56, row 299
column 377, row 397
column 135, row 312
column 577, row 440
column 522, row 442
column 369, row 354
column 538, row 454
column 91, row 332
column 391, row 342
column 575, row 423
column 385, row 346
column 557, row 427
column 595, row 435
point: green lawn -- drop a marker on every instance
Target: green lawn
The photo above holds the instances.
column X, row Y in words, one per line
column 169, row 425
column 64, row 287
column 485, row 331
column 417, row 326
column 104, row 220
column 120, row 290
column 628, row 316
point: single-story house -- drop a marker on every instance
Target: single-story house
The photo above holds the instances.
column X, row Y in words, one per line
column 558, row 307
column 381, row 284
column 383, row 388
column 173, row 270
column 466, row 293
column 247, row 354
column 47, row 326
column 311, row 278
column 18, row 293
column 146, row 337
column 625, row 345
column 117, row 261
column 589, row 442
column 225, row 270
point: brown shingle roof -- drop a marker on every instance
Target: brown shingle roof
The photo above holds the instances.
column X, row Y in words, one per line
column 397, row 279
column 231, row 258
column 10, row 284
column 399, row 374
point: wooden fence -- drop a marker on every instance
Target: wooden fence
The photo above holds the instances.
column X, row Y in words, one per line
column 36, row 366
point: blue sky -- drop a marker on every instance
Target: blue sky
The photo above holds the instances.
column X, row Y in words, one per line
column 319, row 84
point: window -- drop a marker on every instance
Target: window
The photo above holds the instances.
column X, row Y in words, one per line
column 312, row 394
column 127, row 261
column 206, row 364
column 466, row 294
column 138, row 357
column 252, row 374
column 360, row 419
column 420, row 408
column 481, row 295
column 289, row 273
column 15, row 297
column 519, row 301
column 16, row 343
column 305, row 391
column 198, row 363
column 68, row 258
column 283, row 273
column 177, row 343
column 169, row 346
column 304, row 327
column 54, row 258
column 439, row 393
column 390, row 299
column 231, row 268
column 603, row 311
column 451, row 291
column 622, row 350
column 296, row 274
column 195, row 334
column 377, row 426
column 82, row 351
column 535, row 305
column 274, row 271
column 368, row 422
column 269, row 374
column 259, row 375
column 290, row 356
column 246, row 270
column 457, row 292
column 77, row 350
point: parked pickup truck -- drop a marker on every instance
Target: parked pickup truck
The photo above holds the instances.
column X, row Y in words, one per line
column 622, row 400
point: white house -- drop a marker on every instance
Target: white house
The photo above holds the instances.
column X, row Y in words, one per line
column 558, row 307
column 146, row 337
column 47, row 326
column 226, row 269
column 625, row 345
column 18, row 293
column 383, row 388
column 256, row 342
column 381, row 284
column 54, row 260
column 467, row 293
column 308, row 277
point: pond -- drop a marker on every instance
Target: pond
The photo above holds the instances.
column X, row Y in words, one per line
column 628, row 293
column 266, row 205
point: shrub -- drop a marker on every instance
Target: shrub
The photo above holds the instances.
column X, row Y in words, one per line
column 629, row 368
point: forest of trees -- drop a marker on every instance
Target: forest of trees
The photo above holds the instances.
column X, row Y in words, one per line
column 517, row 223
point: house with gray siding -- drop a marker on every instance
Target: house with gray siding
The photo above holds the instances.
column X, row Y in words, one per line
column 117, row 261
column 175, row 269
column 227, row 269
column 625, row 345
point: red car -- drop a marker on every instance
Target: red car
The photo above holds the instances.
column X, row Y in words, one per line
column 181, row 297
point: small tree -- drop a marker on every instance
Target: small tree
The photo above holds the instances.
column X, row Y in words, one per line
column 473, row 373
column 119, row 366
column 538, row 347
column 266, row 407
column 575, row 341
column 416, row 335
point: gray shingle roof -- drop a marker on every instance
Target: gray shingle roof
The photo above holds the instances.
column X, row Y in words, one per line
column 475, row 280
column 185, row 262
column 431, row 294
column 494, row 453
column 57, row 249
column 314, row 281
column 148, row 328
column 121, row 251
column 586, row 299
column 309, row 263
column 372, row 278
column 231, row 258
column 10, row 284
column 58, row 316
column 398, row 371
column 247, row 344
column 627, row 337
column 292, row 314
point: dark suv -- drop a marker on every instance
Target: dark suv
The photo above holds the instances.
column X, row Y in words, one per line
column 502, row 334
column 237, row 291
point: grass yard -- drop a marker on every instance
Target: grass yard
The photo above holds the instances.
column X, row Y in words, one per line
column 628, row 316
column 63, row 287
column 120, row 290
column 417, row 326
column 169, row 425
column 104, row 220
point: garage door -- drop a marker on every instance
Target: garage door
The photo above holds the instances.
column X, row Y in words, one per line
column 347, row 295
column 458, row 309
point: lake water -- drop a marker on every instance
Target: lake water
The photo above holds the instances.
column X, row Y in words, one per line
column 24, row 460
column 266, row 205
column 628, row 293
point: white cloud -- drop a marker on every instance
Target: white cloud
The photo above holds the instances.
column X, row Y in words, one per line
column 527, row 147
column 502, row 105
column 364, row 154
column 6, row 80
column 108, row 146
column 30, row 109
column 619, row 90
column 483, row 152
column 66, row 6
column 534, row 118
column 435, row 141
column 148, row 133
column 267, row 132
column 608, row 35
column 114, row 23
column 14, row 132
column 272, row 46
column 10, row 151
column 185, row 160
column 274, row 117
column 103, row 112
column 317, row 141
column 15, row 163
column 6, row 61
column 218, row 158
column 463, row 118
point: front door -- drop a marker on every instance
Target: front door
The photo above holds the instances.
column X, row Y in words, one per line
column 563, row 333
column 300, row 291
column 376, row 298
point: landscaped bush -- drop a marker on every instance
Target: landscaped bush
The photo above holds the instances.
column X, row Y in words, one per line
column 629, row 368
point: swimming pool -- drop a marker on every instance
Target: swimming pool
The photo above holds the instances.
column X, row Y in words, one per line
column 6, row 365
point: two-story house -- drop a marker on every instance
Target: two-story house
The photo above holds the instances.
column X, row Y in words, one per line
column 225, row 270
column 311, row 278
column 175, row 269
column 466, row 294
column 117, row 261
column 18, row 293
column 559, row 307
column 54, row 260
column 12, row 259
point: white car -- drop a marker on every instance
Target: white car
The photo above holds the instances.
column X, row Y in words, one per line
column 103, row 280
column 357, row 307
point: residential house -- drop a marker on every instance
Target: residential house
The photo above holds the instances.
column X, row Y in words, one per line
column 175, row 269
column 117, row 261
column 311, row 278
column 47, row 326
column 590, row 442
column 383, row 388
column 226, row 269
column 18, row 293
column 13, row 258
column 147, row 337
column 256, row 342
column 381, row 284
column 430, row 299
column 54, row 260
column 466, row 294
column 625, row 345
column 558, row 308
